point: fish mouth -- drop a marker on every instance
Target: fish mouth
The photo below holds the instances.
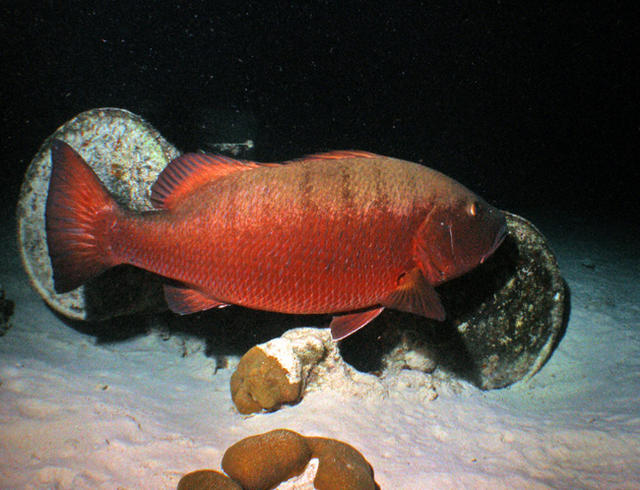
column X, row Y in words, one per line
column 500, row 236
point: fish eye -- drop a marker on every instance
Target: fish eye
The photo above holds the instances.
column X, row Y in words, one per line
column 472, row 209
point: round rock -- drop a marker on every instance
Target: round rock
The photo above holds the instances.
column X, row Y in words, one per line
column 266, row 378
column 207, row 480
column 263, row 461
column 127, row 154
column 341, row 466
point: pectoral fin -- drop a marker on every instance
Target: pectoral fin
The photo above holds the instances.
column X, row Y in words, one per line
column 415, row 295
column 344, row 325
column 184, row 300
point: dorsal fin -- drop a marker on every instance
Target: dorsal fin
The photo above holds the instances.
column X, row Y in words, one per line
column 338, row 155
column 190, row 171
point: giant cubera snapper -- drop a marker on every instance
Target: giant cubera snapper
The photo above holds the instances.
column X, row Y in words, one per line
column 347, row 233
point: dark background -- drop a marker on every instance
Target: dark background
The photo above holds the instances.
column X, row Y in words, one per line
column 535, row 106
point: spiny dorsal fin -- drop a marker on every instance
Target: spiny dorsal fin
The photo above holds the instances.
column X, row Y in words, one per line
column 190, row 171
column 338, row 155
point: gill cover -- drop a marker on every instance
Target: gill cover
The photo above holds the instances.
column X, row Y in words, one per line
column 457, row 237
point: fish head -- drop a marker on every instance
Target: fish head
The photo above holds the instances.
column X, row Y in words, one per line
column 458, row 235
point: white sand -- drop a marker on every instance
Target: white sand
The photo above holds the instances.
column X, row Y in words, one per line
column 137, row 414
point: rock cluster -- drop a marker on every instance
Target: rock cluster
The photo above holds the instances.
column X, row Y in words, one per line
column 279, row 372
column 265, row 460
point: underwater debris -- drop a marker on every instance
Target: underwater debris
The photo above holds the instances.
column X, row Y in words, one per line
column 515, row 313
column 207, row 480
column 265, row 460
column 228, row 130
column 235, row 149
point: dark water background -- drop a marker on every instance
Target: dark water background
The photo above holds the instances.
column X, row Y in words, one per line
column 535, row 107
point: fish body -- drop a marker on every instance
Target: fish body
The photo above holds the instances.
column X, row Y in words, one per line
column 346, row 233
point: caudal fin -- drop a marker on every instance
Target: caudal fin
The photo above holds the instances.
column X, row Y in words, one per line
column 78, row 211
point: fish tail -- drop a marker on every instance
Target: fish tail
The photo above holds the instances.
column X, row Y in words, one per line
column 77, row 217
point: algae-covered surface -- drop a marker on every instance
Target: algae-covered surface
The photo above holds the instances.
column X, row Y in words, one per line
column 144, row 410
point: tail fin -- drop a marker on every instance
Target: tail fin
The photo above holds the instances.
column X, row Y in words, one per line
column 78, row 210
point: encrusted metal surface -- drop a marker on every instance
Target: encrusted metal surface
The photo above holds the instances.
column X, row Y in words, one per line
column 508, row 315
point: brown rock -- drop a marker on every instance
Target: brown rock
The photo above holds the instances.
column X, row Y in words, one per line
column 341, row 467
column 260, row 382
column 263, row 461
column 207, row 480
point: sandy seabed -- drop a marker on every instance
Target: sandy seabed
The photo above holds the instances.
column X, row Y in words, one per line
column 139, row 413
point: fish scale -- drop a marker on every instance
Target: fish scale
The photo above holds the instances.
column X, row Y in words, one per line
column 275, row 250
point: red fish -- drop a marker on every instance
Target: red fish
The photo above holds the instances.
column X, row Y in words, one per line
column 347, row 233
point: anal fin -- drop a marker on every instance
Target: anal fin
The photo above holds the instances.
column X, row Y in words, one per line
column 415, row 295
column 182, row 300
column 344, row 325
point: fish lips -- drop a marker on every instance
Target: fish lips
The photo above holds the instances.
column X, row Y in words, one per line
column 500, row 236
